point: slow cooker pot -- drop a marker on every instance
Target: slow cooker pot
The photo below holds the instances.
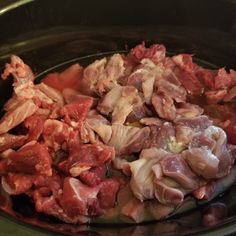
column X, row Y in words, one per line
column 50, row 35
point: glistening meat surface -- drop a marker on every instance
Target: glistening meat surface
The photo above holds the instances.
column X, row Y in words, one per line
column 128, row 138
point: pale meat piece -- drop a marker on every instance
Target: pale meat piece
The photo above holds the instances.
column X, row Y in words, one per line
column 168, row 84
column 143, row 78
column 223, row 153
column 148, row 81
column 20, row 71
column 126, row 104
column 120, row 102
column 101, row 126
column 185, row 62
column 165, row 176
column 197, row 124
column 55, row 133
column 12, row 103
column 143, row 185
column 102, row 75
column 164, row 106
column 156, row 53
column 203, row 162
column 188, row 110
column 163, row 137
column 122, row 164
column 139, row 111
column 108, row 102
column 52, row 93
column 175, row 167
column 12, row 118
column 23, row 85
column 214, row 187
column 168, row 195
column 151, row 121
column 11, row 141
column 128, row 139
column 208, row 155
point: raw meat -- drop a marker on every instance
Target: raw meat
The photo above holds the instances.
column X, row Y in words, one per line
column 127, row 138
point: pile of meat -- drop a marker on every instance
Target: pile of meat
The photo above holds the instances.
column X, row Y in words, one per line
column 156, row 124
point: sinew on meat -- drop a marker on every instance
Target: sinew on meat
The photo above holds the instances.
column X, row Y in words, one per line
column 125, row 137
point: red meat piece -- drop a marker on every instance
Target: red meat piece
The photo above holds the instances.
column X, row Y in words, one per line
column 94, row 176
column 77, row 110
column 32, row 159
column 15, row 184
column 108, row 192
column 11, row 141
column 85, row 156
column 231, row 132
column 69, row 78
column 78, row 198
column 190, row 81
column 156, row 52
column 35, row 126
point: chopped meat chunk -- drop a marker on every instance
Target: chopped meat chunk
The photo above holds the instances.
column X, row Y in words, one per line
column 34, row 124
column 101, row 126
column 189, row 80
column 164, row 106
column 216, row 96
column 120, row 101
column 52, row 93
column 143, row 185
column 108, row 192
column 156, row 52
column 93, row 176
column 102, row 75
column 230, row 95
column 28, row 160
column 188, row 110
column 20, row 71
column 161, row 136
column 11, row 141
column 55, row 133
column 174, row 166
column 203, row 162
column 86, row 156
column 69, row 78
column 77, row 111
column 168, row 195
column 15, row 184
column 79, row 199
column 14, row 117
column 128, row 139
